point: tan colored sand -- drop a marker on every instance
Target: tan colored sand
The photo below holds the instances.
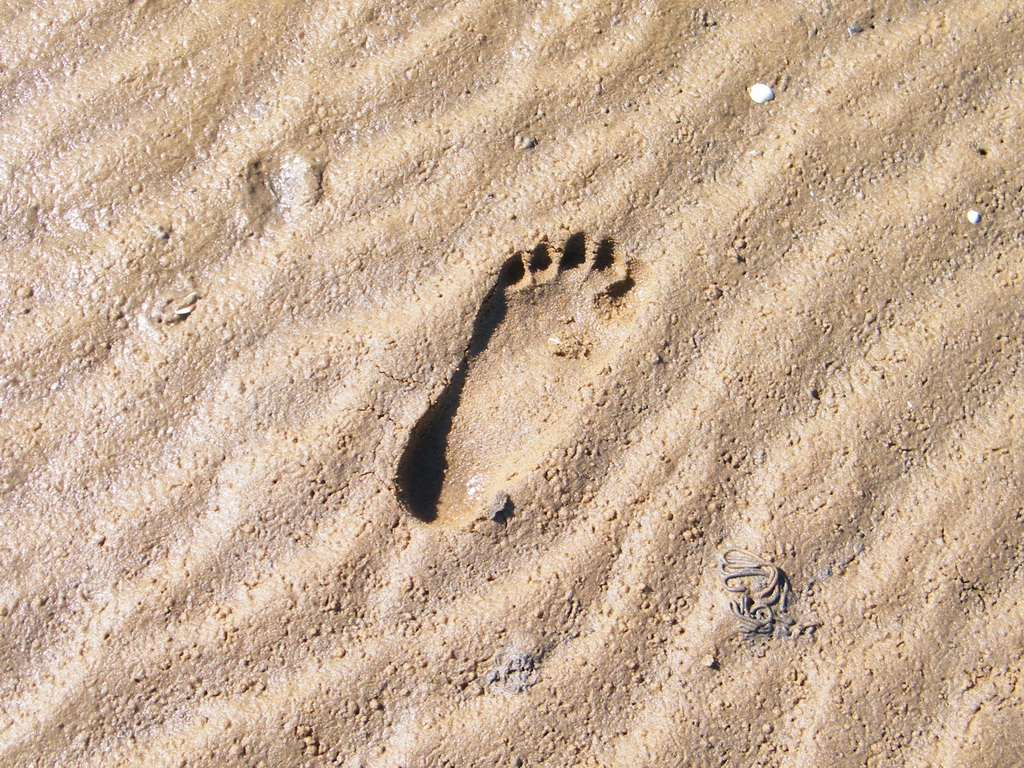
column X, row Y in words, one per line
column 383, row 381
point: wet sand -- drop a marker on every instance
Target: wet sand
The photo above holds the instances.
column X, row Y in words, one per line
column 383, row 384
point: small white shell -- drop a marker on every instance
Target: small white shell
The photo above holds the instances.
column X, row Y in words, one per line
column 761, row 93
column 186, row 307
column 973, row 216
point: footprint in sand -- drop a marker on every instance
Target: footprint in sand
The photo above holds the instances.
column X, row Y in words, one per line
column 551, row 319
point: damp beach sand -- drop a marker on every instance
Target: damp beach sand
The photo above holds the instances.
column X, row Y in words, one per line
column 500, row 383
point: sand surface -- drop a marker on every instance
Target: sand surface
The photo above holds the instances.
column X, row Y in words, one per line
column 384, row 382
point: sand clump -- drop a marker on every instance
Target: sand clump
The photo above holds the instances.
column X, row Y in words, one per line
column 384, row 383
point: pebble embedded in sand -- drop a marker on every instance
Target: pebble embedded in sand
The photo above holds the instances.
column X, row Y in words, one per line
column 974, row 216
column 761, row 93
column 498, row 508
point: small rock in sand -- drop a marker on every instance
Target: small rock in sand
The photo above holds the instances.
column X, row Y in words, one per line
column 761, row 93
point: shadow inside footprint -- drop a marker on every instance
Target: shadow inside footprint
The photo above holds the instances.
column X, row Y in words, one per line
column 421, row 470
column 575, row 252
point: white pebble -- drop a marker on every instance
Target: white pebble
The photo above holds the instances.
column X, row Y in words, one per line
column 973, row 216
column 761, row 93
